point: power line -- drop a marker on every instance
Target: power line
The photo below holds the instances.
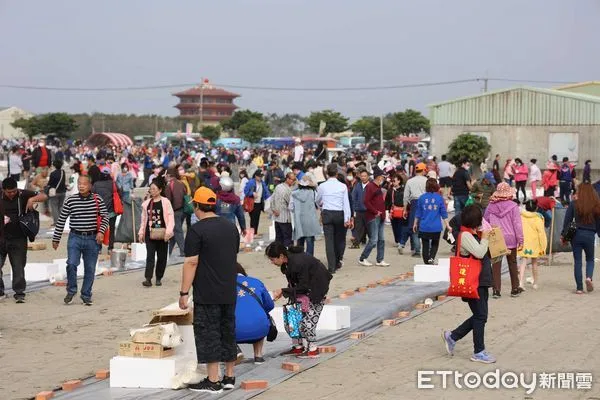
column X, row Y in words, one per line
column 272, row 88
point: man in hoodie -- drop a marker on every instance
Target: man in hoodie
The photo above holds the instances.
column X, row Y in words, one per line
column 375, row 217
column 229, row 205
column 503, row 212
column 566, row 176
column 358, row 208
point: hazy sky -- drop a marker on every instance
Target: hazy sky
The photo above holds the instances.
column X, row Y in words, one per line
column 287, row 43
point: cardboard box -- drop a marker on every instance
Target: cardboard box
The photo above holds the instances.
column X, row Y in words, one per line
column 144, row 350
column 153, row 335
column 172, row 313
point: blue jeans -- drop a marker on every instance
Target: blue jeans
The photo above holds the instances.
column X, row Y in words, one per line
column 459, row 204
column 414, row 236
column 583, row 240
column 310, row 244
column 178, row 238
column 400, row 229
column 376, row 239
column 80, row 246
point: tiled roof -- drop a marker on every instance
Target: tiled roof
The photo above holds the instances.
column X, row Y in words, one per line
column 207, row 91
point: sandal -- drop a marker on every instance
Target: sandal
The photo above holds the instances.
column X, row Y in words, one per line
column 589, row 285
column 579, row 292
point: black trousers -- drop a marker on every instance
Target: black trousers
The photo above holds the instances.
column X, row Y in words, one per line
column 283, row 233
column 565, row 191
column 431, row 243
column 147, row 173
column 475, row 322
column 16, row 250
column 255, row 216
column 521, row 185
column 112, row 225
column 335, row 237
column 360, row 227
column 156, row 249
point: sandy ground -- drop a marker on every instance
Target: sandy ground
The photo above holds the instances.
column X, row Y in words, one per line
column 550, row 330
column 45, row 342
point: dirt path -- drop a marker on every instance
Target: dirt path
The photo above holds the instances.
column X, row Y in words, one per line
column 46, row 342
column 549, row 330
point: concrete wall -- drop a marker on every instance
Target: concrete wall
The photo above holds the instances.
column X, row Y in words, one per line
column 525, row 142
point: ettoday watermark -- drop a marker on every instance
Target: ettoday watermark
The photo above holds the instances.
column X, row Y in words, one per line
column 497, row 379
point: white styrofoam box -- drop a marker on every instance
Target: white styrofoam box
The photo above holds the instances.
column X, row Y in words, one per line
column 39, row 272
column 138, row 252
column 134, row 372
column 432, row 273
column 444, row 262
column 333, row 318
column 272, row 231
column 188, row 348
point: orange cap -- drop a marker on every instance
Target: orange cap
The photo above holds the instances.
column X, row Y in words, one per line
column 205, row 196
column 420, row 167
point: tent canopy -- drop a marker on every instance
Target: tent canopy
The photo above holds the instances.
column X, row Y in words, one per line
column 112, row 138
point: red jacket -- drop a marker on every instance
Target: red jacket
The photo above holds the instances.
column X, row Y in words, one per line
column 374, row 202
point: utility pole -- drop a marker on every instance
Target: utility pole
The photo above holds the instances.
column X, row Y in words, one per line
column 485, row 85
column 381, row 132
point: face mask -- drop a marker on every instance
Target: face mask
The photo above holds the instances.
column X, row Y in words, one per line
column 125, row 170
column 181, row 172
column 350, row 177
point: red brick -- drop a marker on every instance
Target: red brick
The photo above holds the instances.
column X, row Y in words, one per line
column 410, row 274
column 357, row 335
column 326, row 349
column 291, row 366
column 362, row 289
column 441, row 297
column 253, row 385
column 379, row 282
column 60, row 283
column 71, row 385
column 389, row 322
column 107, row 273
column 247, row 249
column 344, row 296
column 420, row 306
column 102, row 374
column 403, row 314
column 47, row 395
column 372, row 285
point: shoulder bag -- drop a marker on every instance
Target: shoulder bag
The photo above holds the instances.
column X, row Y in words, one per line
column 272, row 335
column 464, row 274
column 155, row 233
column 117, row 203
column 28, row 221
column 52, row 191
column 397, row 211
column 106, row 238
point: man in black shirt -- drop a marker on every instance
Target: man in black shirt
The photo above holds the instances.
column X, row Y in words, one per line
column 211, row 248
column 13, row 243
column 496, row 165
column 93, row 169
column 461, row 186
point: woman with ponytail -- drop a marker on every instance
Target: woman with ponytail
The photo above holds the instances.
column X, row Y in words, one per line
column 308, row 283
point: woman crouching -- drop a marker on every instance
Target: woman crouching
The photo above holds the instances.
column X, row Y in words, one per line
column 308, row 277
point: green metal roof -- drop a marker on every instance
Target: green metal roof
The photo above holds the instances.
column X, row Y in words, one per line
column 519, row 106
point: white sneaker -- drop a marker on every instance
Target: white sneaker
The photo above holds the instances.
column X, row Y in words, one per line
column 382, row 263
column 365, row 262
column 529, row 280
column 535, row 286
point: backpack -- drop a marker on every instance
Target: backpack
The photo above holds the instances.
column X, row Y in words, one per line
column 565, row 173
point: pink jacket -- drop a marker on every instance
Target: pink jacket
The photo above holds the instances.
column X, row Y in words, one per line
column 506, row 215
column 521, row 172
column 169, row 217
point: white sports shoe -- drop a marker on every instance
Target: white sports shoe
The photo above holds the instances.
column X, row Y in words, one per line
column 382, row 263
column 365, row 262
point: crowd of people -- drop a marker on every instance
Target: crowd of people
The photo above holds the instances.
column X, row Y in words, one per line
column 306, row 194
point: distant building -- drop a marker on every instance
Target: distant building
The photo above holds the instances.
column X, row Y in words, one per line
column 524, row 122
column 9, row 115
column 216, row 104
column 591, row 88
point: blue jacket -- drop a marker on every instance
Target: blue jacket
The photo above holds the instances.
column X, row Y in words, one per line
column 358, row 198
column 251, row 322
column 251, row 188
column 430, row 212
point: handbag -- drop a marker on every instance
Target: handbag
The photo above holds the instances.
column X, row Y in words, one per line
column 188, row 207
column 106, row 238
column 29, row 221
column 272, row 335
column 469, row 201
column 155, row 233
column 52, row 191
column 248, row 204
column 117, row 203
column 397, row 211
column 292, row 317
column 569, row 234
column 464, row 274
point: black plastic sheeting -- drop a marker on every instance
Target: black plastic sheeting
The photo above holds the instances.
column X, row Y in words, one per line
column 368, row 310
column 125, row 232
column 558, row 222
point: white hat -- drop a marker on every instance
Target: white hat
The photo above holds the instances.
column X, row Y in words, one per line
column 432, row 174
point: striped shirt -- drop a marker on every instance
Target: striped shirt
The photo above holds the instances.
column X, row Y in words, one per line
column 280, row 201
column 83, row 213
